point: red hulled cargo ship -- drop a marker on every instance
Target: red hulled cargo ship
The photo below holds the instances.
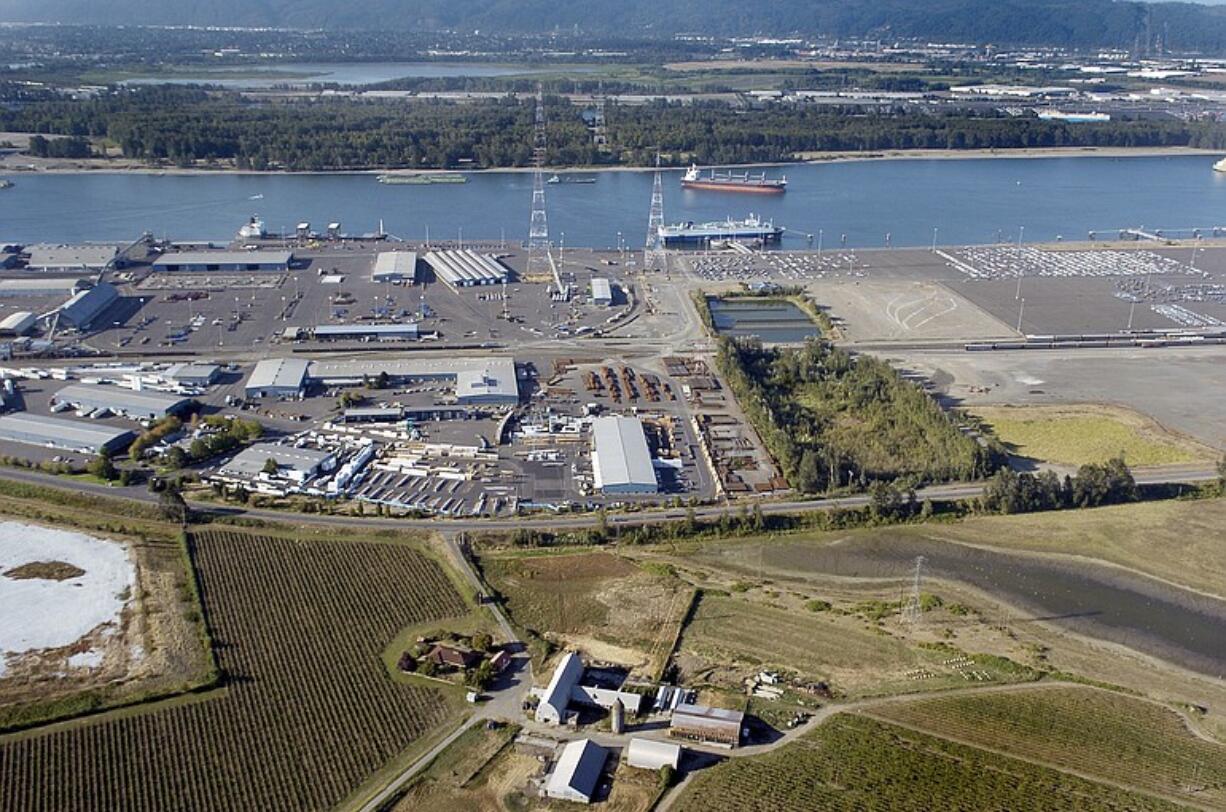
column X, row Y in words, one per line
column 733, row 182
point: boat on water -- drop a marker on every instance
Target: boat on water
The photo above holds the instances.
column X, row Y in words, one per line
column 560, row 179
column 752, row 228
column 5, row 183
column 733, row 182
column 422, row 178
column 253, row 229
column 1220, row 166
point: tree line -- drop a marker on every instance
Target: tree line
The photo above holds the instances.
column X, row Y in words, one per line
column 188, row 126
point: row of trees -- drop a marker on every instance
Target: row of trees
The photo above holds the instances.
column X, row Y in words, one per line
column 186, row 125
column 834, row 421
column 1093, row 486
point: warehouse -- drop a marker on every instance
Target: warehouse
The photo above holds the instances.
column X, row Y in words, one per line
column 366, row 332
column 566, row 686
column 18, row 324
column 465, row 269
column 648, row 754
column 134, row 403
column 295, row 464
column 602, row 292
column 395, row 266
column 69, row 258
column 199, row 261
column 705, row 724
column 490, row 381
column 277, row 378
column 372, row 414
column 193, row 374
column 49, row 288
column 68, row 435
column 621, row 461
column 85, row 308
column 577, row 774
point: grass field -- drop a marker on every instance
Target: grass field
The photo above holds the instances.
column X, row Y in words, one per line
column 730, row 638
column 856, row 763
column 308, row 712
column 601, row 602
column 1117, row 738
column 1091, row 433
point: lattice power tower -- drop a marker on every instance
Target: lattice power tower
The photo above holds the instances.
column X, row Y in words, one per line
column 538, row 230
column 655, row 257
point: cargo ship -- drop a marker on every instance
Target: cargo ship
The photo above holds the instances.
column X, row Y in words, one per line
column 733, row 182
column 752, row 228
column 1220, row 166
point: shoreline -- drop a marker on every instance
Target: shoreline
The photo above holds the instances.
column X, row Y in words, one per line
column 19, row 165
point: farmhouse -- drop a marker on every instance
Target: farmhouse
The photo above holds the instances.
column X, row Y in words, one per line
column 454, row 656
column 577, row 773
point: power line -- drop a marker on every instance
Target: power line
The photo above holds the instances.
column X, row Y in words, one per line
column 538, row 230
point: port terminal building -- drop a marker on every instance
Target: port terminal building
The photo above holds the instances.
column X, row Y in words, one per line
column 138, row 404
column 395, row 266
column 465, row 269
column 233, row 261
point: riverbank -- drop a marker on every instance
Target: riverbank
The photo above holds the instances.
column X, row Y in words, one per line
column 24, row 164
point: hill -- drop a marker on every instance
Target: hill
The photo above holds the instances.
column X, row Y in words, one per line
column 1070, row 23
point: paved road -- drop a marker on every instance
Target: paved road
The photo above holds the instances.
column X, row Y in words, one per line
column 936, row 493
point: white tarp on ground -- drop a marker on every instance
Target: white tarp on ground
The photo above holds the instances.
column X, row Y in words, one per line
column 40, row 613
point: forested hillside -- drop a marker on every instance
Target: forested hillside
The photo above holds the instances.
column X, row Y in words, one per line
column 1074, row 23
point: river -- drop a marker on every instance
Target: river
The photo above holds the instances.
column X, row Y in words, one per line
column 970, row 200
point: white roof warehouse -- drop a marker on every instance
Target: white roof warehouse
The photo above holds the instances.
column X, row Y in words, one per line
column 132, row 403
column 621, row 461
column 224, row 261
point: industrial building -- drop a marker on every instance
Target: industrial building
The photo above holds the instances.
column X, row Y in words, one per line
column 621, row 461
column 565, row 687
column 84, row 308
column 372, row 414
column 193, row 374
column 700, row 723
column 277, row 378
column 68, row 258
column 18, row 324
column 137, row 404
column 395, row 266
column 490, row 381
column 464, row 268
column 68, row 435
column 202, row 261
column 602, row 292
column 649, row 754
column 366, row 332
column 295, row 464
column 51, row 288
column 577, row 774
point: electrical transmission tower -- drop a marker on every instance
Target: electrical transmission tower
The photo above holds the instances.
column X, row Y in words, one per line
column 600, row 133
column 538, row 231
column 655, row 257
column 911, row 612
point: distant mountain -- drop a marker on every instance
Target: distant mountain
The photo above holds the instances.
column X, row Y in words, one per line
column 1070, row 23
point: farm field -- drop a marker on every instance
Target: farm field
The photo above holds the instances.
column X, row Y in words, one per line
column 1117, row 738
column 609, row 606
column 856, row 763
column 307, row 712
column 1089, row 433
column 730, row 638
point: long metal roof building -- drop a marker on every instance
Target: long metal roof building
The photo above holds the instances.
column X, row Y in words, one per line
column 577, row 773
column 83, row 309
column 134, row 403
column 41, row 286
column 69, row 435
column 224, row 261
column 464, row 268
column 621, row 461
column 477, row 380
column 46, row 257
